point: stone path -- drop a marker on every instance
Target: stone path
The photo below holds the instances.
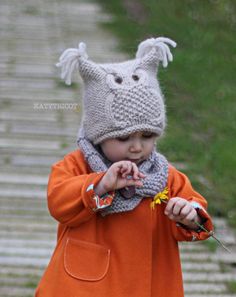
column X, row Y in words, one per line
column 37, row 131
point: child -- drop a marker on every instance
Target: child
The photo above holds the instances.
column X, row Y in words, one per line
column 111, row 242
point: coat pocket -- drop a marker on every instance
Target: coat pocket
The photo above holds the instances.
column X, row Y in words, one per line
column 86, row 261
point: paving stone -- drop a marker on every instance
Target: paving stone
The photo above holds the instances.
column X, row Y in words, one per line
column 43, row 130
column 13, row 116
column 197, row 257
column 11, row 151
column 33, row 162
column 6, row 291
column 3, row 127
column 25, row 169
column 32, row 84
column 229, row 258
column 34, row 71
column 209, row 295
column 20, row 209
column 205, row 288
column 21, row 271
column 213, row 277
column 224, row 233
column 38, row 35
column 3, row 66
column 22, row 160
column 23, row 179
column 28, row 204
column 29, row 144
column 27, row 218
column 24, row 261
column 25, row 252
column 202, row 266
column 33, row 227
column 21, row 25
column 18, row 57
column 27, row 235
column 5, row 242
column 23, row 193
column 187, row 247
column 39, row 95
column 14, row 282
column 221, row 256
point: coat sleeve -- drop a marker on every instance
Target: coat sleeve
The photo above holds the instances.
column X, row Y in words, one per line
column 180, row 186
column 70, row 191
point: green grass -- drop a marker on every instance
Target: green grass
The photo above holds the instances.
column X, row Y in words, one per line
column 232, row 287
column 60, row 84
column 211, row 244
column 199, row 86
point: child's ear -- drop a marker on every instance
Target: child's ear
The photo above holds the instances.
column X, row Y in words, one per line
column 156, row 139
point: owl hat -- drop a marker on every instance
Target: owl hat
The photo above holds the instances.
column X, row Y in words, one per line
column 120, row 98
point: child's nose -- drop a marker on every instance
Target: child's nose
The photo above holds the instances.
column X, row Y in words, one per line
column 136, row 146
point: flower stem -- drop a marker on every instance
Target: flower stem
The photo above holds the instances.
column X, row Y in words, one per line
column 211, row 233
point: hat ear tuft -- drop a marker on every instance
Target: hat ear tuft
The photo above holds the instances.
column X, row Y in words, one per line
column 69, row 61
column 160, row 45
column 77, row 59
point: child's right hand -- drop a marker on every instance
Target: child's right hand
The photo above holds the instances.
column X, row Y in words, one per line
column 121, row 174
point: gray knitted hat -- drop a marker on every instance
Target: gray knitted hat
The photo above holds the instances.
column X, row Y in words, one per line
column 120, row 98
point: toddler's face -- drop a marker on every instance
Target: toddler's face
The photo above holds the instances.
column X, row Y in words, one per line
column 135, row 147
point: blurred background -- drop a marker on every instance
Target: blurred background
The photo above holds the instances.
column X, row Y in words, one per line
column 40, row 115
column 199, row 86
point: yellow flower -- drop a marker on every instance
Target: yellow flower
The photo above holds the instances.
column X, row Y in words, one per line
column 160, row 197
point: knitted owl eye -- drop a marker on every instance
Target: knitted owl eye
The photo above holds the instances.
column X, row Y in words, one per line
column 135, row 77
column 118, row 80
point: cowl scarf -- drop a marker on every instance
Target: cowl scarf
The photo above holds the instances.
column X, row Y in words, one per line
column 155, row 168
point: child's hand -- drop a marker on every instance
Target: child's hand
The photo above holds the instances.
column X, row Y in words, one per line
column 121, row 174
column 181, row 211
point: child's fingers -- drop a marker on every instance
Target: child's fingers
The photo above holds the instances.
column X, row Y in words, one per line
column 123, row 167
column 130, row 168
column 133, row 182
column 126, row 168
column 179, row 205
column 141, row 175
column 180, row 210
column 174, row 206
column 135, row 171
column 191, row 215
column 138, row 183
column 185, row 211
column 170, row 205
column 129, row 171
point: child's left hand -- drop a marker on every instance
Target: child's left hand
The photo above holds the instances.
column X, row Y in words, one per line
column 180, row 210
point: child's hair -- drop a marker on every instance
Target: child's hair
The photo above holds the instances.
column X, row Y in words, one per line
column 120, row 98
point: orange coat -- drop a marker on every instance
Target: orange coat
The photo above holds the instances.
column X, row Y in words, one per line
column 120, row 255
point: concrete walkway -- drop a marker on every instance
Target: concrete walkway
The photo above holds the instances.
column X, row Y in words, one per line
column 37, row 129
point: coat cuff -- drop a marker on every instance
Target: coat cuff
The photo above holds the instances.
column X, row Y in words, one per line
column 199, row 234
column 91, row 200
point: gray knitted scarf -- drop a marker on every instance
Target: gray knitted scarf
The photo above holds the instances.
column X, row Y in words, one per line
column 155, row 168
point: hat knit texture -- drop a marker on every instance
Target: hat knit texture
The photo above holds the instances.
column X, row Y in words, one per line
column 120, row 98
